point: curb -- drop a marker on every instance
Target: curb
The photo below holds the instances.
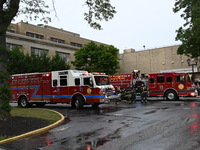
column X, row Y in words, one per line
column 35, row 131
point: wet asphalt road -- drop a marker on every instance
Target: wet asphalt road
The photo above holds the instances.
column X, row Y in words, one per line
column 158, row 125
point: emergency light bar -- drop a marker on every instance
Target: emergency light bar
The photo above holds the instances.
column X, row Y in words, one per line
column 46, row 75
column 86, row 73
column 98, row 73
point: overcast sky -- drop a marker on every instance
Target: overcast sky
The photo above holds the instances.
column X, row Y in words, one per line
column 138, row 22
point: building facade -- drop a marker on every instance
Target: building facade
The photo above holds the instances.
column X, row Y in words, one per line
column 45, row 39
column 157, row 60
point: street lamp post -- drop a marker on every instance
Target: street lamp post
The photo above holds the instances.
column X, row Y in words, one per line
column 192, row 63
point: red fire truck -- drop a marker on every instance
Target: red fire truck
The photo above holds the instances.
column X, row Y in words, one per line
column 124, row 80
column 67, row 86
column 121, row 80
column 169, row 85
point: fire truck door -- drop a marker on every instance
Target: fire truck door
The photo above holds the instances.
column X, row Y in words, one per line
column 55, row 90
column 60, row 89
column 46, row 89
column 161, row 83
column 179, row 82
column 152, row 84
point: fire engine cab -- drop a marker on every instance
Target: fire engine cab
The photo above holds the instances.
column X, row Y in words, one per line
column 67, row 86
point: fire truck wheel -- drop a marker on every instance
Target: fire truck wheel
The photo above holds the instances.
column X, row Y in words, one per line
column 171, row 95
column 79, row 102
column 23, row 102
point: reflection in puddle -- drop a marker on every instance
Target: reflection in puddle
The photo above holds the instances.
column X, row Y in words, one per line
column 97, row 143
column 85, row 141
column 194, row 128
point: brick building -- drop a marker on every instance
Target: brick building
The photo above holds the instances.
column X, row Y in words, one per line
column 45, row 39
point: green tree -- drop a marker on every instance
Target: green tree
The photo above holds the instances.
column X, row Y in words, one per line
column 17, row 59
column 189, row 33
column 57, row 63
column 99, row 10
column 97, row 58
column 23, row 63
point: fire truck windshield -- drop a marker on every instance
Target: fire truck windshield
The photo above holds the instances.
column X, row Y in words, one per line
column 101, row 80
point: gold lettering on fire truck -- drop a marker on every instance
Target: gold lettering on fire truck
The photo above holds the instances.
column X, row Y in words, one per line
column 89, row 90
column 180, row 86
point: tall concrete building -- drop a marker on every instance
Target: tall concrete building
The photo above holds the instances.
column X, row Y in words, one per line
column 163, row 59
column 44, row 39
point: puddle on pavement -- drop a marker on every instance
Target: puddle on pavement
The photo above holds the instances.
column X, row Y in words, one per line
column 86, row 141
column 97, row 143
column 108, row 109
column 154, row 111
column 150, row 112
column 194, row 127
column 165, row 108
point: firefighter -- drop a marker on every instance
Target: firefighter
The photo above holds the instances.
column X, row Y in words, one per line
column 122, row 92
column 130, row 95
column 138, row 89
column 127, row 94
column 144, row 93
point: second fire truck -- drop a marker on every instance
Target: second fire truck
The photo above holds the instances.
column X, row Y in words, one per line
column 76, row 87
column 168, row 85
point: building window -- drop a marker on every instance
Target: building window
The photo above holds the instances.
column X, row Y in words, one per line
column 11, row 46
column 57, row 40
column 38, row 51
column 34, row 35
column 76, row 44
column 65, row 56
column 11, row 31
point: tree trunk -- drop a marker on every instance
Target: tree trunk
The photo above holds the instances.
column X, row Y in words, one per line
column 3, row 52
column 8, row 10
column 4, row 89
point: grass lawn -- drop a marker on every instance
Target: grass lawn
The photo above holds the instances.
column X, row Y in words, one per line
column 45, row 114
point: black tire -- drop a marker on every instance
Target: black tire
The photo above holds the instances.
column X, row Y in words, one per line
column 95, row 105
column 171, row 95
column 23, row 102
column 78, row 102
